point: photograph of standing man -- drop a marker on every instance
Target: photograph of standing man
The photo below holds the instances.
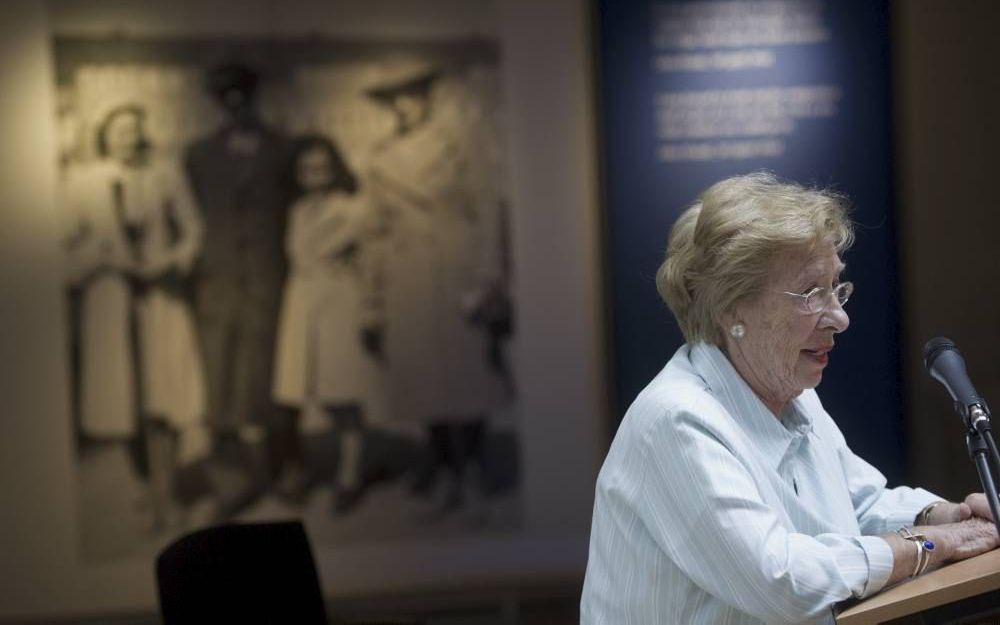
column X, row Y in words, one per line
column 238, row 176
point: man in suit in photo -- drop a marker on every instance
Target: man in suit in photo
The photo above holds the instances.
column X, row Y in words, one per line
column 238, row 175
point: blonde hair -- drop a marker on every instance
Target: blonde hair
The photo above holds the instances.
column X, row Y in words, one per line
column 721, row 249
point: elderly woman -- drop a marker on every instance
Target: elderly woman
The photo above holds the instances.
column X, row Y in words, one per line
column 729, row 494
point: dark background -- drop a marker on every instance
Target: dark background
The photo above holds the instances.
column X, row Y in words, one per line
column 849, row 152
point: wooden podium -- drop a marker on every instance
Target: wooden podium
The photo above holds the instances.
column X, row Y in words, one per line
column 963, row 592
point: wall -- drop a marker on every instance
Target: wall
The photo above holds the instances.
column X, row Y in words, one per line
column 554, row 234
column 947, row 137
column 37, row 522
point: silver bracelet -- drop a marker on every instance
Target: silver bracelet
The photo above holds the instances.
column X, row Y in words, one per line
column 924, row 549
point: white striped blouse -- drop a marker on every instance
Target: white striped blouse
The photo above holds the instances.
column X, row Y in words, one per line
column 709, row 510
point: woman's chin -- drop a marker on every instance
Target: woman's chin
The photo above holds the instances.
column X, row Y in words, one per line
column 810, row 374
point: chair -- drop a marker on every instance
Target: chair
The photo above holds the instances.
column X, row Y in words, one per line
column 253, row 573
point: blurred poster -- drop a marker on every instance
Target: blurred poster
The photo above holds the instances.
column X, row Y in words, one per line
column 288, row 285
column 694, row 91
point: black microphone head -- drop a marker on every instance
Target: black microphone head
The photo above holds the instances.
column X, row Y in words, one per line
column 933, row 349
column 945, row 364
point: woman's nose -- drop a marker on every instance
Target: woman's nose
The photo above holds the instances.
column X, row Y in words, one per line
column 835, row 317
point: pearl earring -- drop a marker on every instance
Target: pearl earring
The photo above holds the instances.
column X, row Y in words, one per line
column 738, row 330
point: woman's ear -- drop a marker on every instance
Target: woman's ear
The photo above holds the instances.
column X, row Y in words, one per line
column 726, row 319
column 731, row 326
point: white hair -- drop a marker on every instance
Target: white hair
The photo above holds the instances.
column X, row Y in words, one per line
column 721, row 249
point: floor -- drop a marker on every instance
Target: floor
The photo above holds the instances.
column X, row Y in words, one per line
column 114, row 519
column 555, row 605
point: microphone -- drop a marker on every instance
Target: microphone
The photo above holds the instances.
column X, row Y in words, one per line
column 945, row 364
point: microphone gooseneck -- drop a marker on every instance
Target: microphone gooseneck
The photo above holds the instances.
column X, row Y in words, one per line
column 945, row 364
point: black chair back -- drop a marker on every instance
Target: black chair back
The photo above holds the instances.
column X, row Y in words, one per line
column 254, row 573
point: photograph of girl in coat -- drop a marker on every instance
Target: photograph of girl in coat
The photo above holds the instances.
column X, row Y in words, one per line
column 323, row 353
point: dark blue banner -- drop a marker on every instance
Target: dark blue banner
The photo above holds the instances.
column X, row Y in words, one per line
column 695, row 91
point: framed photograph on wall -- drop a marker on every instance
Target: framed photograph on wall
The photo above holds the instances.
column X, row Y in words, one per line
column 288, row 282
column 390, row 109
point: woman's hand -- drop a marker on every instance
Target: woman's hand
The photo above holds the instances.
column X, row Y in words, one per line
column 975, row 505
column 952, row 542
column 979, row 506
column 965, row 539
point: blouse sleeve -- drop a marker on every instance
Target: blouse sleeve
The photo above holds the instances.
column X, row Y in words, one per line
column 317, row 234
column 881, row 510
column 76, row 232
column 703, row 508
column 339, row 229
column 296, row 236
column 90, row 242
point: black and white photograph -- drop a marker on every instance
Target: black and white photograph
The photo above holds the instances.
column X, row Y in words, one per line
column 288, row 286
column 316, row 283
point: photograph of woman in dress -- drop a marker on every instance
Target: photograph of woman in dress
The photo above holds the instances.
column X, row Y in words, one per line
column 135, row 234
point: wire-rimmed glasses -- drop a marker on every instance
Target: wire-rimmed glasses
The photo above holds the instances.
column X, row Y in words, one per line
column 817, row 300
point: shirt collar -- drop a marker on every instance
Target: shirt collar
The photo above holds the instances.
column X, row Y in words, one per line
column 770, row 435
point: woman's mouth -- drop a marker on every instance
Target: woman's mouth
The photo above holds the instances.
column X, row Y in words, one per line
column 819, row 356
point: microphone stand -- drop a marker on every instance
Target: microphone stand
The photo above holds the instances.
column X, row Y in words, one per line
column 980, row 442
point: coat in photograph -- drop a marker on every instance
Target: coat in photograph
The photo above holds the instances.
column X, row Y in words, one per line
column 139, row 351
column 439, row 260
column 319, row 353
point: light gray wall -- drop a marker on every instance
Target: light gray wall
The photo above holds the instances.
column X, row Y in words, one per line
column 558, row 360
column 947, row 138
column 36, row 522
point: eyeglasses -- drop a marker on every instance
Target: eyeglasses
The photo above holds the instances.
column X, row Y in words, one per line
column 817, row 300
